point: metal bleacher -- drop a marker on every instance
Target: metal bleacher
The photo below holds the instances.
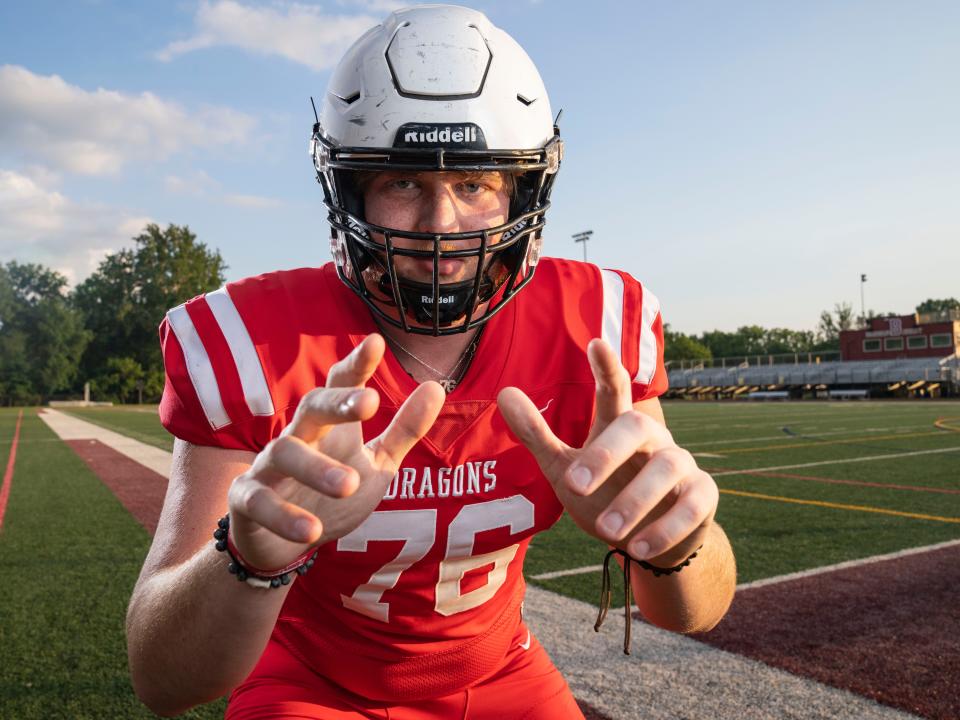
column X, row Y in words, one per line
column 830, row 373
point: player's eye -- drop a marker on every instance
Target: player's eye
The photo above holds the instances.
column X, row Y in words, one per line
column 471, row 188
column 404, row 184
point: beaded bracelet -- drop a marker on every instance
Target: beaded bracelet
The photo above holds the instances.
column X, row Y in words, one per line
column 627, row 588
column 254, row 576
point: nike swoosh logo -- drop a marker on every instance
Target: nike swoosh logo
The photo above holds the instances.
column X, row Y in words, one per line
column 544, row 408
column 526, row 644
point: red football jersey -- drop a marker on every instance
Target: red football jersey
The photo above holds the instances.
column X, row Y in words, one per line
column 423, row 598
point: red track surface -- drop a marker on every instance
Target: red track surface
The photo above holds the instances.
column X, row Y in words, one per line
column 8, row 474
column 888, row 630
column 140, row 489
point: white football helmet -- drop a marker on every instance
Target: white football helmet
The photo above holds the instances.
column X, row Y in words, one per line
column 436, row 88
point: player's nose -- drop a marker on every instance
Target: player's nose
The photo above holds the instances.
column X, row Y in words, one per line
column 438, row 212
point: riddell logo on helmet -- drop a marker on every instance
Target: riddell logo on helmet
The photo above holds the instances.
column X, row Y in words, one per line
column 444, row 299
column 446, row 135
column 464, row 135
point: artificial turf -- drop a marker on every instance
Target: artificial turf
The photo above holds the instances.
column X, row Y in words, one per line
column 70, row 555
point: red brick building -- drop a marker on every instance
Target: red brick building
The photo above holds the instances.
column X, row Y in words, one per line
column 904, row 337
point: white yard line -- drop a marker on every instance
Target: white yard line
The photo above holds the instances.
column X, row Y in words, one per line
column 867, row 458
column 68, row 427
column 846, row 565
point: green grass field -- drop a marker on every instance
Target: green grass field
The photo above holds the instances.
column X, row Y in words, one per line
column 70, row 553
column 774, row 536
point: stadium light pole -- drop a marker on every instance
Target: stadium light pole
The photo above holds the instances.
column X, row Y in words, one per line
column 863, row 307
column 583, row 237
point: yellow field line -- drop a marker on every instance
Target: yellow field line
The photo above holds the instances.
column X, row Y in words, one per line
column 857, row 439
column 942, row 423
column 839, row 506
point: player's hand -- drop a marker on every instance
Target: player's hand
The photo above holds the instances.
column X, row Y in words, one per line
column 318, row 481
column 630, row 485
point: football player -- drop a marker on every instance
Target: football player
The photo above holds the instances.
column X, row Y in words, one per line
column 373, row 443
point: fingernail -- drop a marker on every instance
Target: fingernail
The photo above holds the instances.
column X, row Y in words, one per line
column 335, row 477
column 304, row 528
column 640, row 550
column 581, row 477
column 611, row 523
column 350, row 403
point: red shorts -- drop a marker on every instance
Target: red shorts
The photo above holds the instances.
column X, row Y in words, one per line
column 527, row 687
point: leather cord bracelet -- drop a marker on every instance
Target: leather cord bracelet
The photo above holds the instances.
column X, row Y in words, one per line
column 605, row 588
column 255, row 576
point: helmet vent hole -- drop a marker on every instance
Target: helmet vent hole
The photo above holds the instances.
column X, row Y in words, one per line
column 350, row 99
column 526, row 101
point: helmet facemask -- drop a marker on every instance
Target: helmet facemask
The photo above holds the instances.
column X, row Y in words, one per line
column 366, row 253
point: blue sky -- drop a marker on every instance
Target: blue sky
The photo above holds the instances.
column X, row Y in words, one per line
column 746, row 160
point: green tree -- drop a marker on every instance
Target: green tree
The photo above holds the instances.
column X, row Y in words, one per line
column 783, row 340
column 931, row 305
column 41, row 336
column 831, row 324
column 678, row 346
column 124, row 301
column 119, row 381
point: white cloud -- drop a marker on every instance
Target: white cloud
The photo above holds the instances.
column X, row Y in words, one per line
column 46, row 120
column 251, row 201
column 301, row 33
column 200, row 184
column 44, row 226
column 196, row 183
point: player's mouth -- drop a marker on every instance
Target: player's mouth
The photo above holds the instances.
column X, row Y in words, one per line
column 448, row 268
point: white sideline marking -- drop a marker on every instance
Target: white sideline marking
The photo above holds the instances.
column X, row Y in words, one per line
column 847, row 565
column 563, row 573
column 68, row 427
column 748, row 471
column 707, row 455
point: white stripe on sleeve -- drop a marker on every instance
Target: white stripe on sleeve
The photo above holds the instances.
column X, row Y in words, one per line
column 254, row 382
column 612, row 330
column 648, row 340
column 198, row 367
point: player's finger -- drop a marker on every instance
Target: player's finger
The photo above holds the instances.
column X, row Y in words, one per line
column 412, row 421
column 356, row 368
column 252, row 499
column 322, row 408
column 662, row 474
column 290, row 457
column 526, row 422
column 630, row 433
column 695, row 506
column 613, row 384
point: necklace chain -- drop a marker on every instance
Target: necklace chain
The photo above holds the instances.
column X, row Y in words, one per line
column 451, row 378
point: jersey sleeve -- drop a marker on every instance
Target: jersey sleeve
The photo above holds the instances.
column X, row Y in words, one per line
column 215, row 392
column 632, row 322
